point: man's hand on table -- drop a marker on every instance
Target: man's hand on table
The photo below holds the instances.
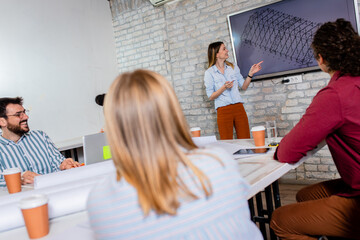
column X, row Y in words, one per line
column 28, row 177
column 69, row 163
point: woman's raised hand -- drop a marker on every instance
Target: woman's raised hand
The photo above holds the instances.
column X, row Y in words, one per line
column 255, row 68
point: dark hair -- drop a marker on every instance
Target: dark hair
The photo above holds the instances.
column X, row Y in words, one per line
column 213, row 49
column 99, row 99
column 339, row 45
column 6, row 101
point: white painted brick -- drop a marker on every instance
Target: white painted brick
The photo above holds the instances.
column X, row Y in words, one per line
column 267, row 90
column 313, row 160
column 292, row 110
column 318, row 84
column 291, row 102
column 251, row 91
column 302, row 86
column 333, row 168
column 323, row 168
column 311, row 93
column 300, row 176
column 255, row 98
column 291, row 87
column 262, row 105
column 293, row 117
column 296, row 94
column 305, row 101
column 310, row 167
column 275, row 97
column 326, row 161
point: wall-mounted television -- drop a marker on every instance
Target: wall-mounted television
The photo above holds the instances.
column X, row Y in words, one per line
column 280, row 34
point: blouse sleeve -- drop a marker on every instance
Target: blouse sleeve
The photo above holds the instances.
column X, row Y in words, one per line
column 209, row 83
column 238, row 75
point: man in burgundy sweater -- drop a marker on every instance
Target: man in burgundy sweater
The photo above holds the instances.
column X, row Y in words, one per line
column 330, row 208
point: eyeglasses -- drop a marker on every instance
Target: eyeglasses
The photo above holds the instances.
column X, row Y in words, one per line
column 20, row 114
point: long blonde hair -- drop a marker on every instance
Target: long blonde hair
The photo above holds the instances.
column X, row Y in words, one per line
column 148, row 134
column 213, row 49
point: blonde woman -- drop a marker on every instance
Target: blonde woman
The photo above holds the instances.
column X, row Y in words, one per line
column 222, row 81
column 164, row 186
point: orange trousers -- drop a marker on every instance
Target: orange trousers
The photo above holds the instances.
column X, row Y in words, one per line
column 231, row 116
column 319, row 213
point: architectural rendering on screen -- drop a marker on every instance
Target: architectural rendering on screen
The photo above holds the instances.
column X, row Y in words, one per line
column 282, row 35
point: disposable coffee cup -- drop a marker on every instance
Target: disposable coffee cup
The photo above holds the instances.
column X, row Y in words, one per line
column 13, row 179
column 195, row 132
column 36, row 217
column 258, row 133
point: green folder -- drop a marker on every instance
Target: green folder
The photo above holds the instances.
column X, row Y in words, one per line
column 106, row 153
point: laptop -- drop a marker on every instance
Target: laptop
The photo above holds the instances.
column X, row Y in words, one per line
column 96, row 148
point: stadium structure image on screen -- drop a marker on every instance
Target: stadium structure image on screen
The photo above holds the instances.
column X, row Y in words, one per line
column 281, row 34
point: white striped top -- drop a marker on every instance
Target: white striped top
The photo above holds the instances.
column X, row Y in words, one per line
column 33, row 152
column 115, row 214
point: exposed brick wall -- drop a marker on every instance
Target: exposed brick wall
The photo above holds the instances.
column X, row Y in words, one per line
column 172, row 39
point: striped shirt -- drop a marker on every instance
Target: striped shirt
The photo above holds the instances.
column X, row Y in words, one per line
column 115, row 214
column 33, row 152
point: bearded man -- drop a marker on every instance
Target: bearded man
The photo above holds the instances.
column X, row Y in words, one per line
column 31, row 151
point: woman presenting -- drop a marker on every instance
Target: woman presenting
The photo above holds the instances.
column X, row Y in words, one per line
column 222, row 80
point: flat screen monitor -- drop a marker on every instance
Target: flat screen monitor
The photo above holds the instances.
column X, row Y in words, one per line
column 280, row 34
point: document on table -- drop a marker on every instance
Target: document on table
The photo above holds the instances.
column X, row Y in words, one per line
column 204, row 141
column 210, row 141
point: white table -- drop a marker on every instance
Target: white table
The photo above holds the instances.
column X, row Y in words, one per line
column 4, row 191
column 75, row 225
column 260, row 172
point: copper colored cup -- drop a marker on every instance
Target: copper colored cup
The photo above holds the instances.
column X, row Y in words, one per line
column 258, row 135
column 195, row 132
column 13, row 179
column 36, row 217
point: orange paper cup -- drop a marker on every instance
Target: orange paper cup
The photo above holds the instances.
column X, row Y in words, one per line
column 36, row 217
column 13, row 179
column 195, row 132
column 258, row 133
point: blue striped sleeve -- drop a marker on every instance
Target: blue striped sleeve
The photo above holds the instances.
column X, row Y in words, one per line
column 54, row 153
column 33, row 152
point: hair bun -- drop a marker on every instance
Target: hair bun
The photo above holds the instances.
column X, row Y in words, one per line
column 99, row 99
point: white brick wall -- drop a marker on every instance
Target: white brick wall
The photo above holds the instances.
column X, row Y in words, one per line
column 172, row 39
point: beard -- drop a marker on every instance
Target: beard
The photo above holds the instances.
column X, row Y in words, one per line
column 18, row 129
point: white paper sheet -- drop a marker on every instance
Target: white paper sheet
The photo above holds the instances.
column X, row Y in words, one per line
column 203, row 141
column 228, row 147
column 210, row 141
column 74, row 174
